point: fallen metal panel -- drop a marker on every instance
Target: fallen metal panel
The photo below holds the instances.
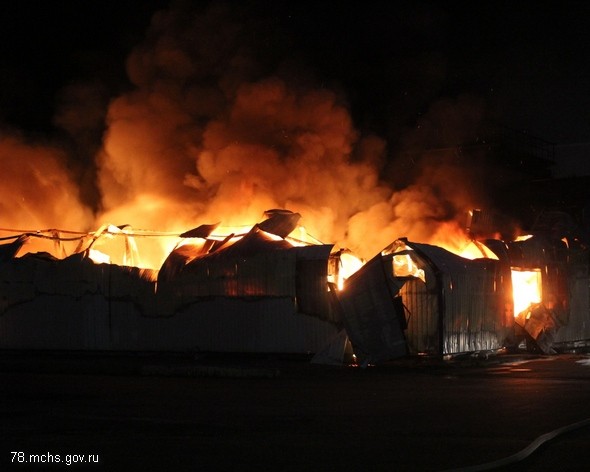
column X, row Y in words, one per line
column 280, row 222
column 370, row 315
column 336, row 352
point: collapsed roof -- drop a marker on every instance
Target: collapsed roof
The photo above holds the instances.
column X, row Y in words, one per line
column 411, row 298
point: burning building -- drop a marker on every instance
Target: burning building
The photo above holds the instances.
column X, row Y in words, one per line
column 252, row 292
column 264, row 290
column 202, row 134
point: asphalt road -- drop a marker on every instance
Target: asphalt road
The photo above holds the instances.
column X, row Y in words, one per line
column 211, row 413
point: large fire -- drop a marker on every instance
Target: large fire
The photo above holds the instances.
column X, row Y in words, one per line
column 206, row 137
column 126, row 246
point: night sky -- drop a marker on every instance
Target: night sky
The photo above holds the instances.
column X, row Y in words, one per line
column 525, row 65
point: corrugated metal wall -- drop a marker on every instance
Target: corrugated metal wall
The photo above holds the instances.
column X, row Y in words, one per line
column 460, row 307
column 221, row 325
column 575, row 329
column 421, row 302
column 262, row 274
column 76, row 304
column 474, row 315
column 311, row 284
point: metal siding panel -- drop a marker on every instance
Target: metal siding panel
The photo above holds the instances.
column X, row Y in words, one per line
column 422, row 306
column 312, row 289
column 370, row 316
column 269, row 273
column 473, row 319
column 577, row 323
column 473, row 312
column 76, row 304
column 55, row 322
column 233, row 325
column 221, row 325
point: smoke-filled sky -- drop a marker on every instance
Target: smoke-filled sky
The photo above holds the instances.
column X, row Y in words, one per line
column 166, row 115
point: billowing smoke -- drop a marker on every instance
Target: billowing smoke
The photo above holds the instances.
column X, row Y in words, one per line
column 212, row 133
column 435, row 180
column 38, row 190
column 206, row 137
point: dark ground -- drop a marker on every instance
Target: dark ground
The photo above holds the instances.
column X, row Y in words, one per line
column 170, row 413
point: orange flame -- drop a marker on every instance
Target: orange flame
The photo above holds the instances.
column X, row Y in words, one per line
column 349, row 264
column 526, row 288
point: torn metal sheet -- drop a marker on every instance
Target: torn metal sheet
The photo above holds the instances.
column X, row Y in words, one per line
column 372, row 318
column 9, row 250
column 539, row 322
column 202, row 231
column 338, row 351
column 280, row 222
